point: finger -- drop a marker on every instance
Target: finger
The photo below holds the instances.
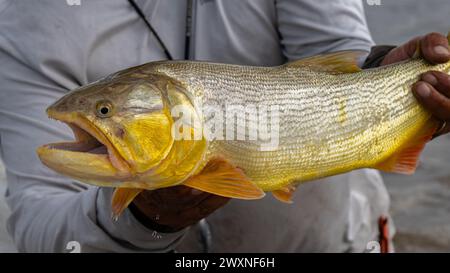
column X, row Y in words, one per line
column 183, row 197
column 189, row 216
column 196, row 192
column 176, row 190
column 432, row 100
column 402, row 53
column 167, row 199
column 210, row 204
column 440, row 81
column 434, row 48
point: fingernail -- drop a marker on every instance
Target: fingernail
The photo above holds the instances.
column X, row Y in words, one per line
column 441, row 50
column 430, row 78
column 423, row 90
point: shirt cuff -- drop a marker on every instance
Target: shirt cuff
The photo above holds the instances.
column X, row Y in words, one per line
column 129, row 231
column 377, row 55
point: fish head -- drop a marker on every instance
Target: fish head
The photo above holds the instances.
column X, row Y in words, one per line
column 122, row 126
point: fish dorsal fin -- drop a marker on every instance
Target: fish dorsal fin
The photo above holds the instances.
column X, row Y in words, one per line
column 220, row 177
column 122, row 197
column 336, row 63
column 285, row 194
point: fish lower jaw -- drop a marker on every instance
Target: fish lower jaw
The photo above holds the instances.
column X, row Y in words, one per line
column 81, row 165
column 91, row 148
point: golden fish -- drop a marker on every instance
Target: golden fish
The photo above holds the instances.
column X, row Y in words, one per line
column 332, row 118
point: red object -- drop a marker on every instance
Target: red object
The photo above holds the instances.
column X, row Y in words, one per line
column 383, row 226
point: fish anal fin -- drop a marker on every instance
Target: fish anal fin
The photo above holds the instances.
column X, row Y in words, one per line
column 220, row 177
column 285, row 194
column 122, row 197
column 337, row 63
column 405, row 161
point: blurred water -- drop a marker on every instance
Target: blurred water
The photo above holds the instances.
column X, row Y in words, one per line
column 420, row 203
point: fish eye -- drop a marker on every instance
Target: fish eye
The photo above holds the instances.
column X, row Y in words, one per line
column 104, row 109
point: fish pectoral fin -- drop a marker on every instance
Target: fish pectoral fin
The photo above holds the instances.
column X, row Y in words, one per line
column 121, row 198
column 406, row 159
column 220, row 177
column 338, row 62
column 285, row 194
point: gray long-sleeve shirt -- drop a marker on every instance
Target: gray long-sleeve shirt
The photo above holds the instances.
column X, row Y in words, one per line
column 48, row 47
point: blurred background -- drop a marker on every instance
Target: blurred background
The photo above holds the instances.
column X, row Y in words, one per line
column 420, row 203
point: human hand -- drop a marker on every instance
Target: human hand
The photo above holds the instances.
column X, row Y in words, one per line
column 433, row 89
column 174, row 208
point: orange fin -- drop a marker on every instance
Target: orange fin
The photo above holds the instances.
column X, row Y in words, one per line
column 122, row 197
column 220, row 177
column 285, row 194
column 405, row 161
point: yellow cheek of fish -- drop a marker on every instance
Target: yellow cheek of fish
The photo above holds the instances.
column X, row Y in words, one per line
column 182, row 161
column 148, row 138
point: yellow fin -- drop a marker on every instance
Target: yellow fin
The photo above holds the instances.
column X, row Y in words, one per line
column 122, row 197
column 220, row 177
column 406, row 159
column 285, row 194
column 337, row 63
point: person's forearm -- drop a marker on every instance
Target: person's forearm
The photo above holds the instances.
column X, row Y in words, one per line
column 309, row 28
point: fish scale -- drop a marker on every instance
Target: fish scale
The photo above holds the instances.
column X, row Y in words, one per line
column 381, row 115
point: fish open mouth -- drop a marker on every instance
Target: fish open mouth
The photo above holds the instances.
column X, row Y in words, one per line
column 90, row 155
column 84, row 143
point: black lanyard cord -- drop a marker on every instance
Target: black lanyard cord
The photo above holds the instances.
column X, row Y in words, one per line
column 141, row 14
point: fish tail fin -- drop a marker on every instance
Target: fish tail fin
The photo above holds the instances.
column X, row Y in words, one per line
column 405, row 161
column 122, row 197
